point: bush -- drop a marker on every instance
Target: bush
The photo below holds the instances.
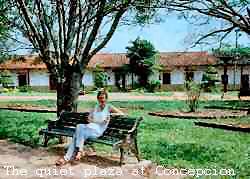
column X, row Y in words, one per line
column 4, row 90
column 100, row 77
column 6, row 79
column 24, row 89
column 193, row 91
column 209, row 79
column 153, row 85
column 139, row 90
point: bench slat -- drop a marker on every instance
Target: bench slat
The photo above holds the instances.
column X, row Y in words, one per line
column 69, row 133
column 58, row 132
column 73, row 116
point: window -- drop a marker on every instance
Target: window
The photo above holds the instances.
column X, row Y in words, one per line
column 189, row 75
column 166, row 78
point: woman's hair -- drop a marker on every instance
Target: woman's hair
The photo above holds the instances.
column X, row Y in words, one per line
column 102, row 92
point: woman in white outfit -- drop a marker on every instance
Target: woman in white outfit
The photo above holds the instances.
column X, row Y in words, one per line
column 98, row 121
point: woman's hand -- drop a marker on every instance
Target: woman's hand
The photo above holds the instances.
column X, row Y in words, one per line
column 115, row 111
column 89, row 120
column 90, row 117
column 106, row 120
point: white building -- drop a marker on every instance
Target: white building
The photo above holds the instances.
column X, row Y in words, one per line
column 177, row 67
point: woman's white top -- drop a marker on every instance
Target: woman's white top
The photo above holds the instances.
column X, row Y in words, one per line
column 100, row 119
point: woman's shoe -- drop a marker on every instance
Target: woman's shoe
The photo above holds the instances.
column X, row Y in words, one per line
column 61, row 161
column 78, row 156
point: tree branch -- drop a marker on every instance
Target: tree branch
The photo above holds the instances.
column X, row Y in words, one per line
column 60, row 27
column 94, row 31
column 30, row 24
column 71, row 24
column 45, row 39
column 212, row 33
column 49, row 26
column 110, row 32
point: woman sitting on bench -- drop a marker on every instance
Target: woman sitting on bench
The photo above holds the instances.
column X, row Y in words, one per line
column 98, row 121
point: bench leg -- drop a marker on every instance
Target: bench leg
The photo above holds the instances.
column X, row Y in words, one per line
column 121, row 156
column 135, row 151
column 45, row 140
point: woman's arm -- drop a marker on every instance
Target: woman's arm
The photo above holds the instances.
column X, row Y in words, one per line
column 115, row 111
column 90, row 117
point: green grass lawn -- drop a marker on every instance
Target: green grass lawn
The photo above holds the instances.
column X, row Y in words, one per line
column 169, row 142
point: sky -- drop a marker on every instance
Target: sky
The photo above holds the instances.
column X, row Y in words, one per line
column 168, row 36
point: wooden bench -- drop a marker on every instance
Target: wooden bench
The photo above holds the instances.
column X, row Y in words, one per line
column 121, row 131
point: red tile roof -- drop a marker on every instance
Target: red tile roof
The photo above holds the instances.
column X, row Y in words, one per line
column 174, row 59
column 23, row 62
column 108, row 60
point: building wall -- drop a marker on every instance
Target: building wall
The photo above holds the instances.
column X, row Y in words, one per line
column 246, row 70
column 198, row 76
column 111, row 77
column 39, row 78
column 155, row 76
column 88, row 79
column 233, row 74
column 14, row 78
column 177, row 76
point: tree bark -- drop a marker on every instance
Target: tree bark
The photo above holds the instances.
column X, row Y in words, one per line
column 132, row 80
column 68, row 92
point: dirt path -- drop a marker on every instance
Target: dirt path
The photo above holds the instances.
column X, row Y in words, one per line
column 26, row 163
column 128, row 96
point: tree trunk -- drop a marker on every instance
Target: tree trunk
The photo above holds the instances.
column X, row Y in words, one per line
column 132, row 80
column 68, row 92
column 143, row 82
column 225, row 79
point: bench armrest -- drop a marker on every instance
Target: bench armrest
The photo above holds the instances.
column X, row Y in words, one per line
column 135, row 126
column 52, row 123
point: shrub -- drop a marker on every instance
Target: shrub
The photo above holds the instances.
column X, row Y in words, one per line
column 153, row 85
column 4, row 90
column 100, row 77
column 209, row 79
column 6, row 79
column 24, row 89
column 193, row 91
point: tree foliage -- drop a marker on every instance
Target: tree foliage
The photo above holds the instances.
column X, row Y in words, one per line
column 100, row 77
column 6, row 79
column 142, row 59
column 209, row 78
column 4, row 29
column 241, row 52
